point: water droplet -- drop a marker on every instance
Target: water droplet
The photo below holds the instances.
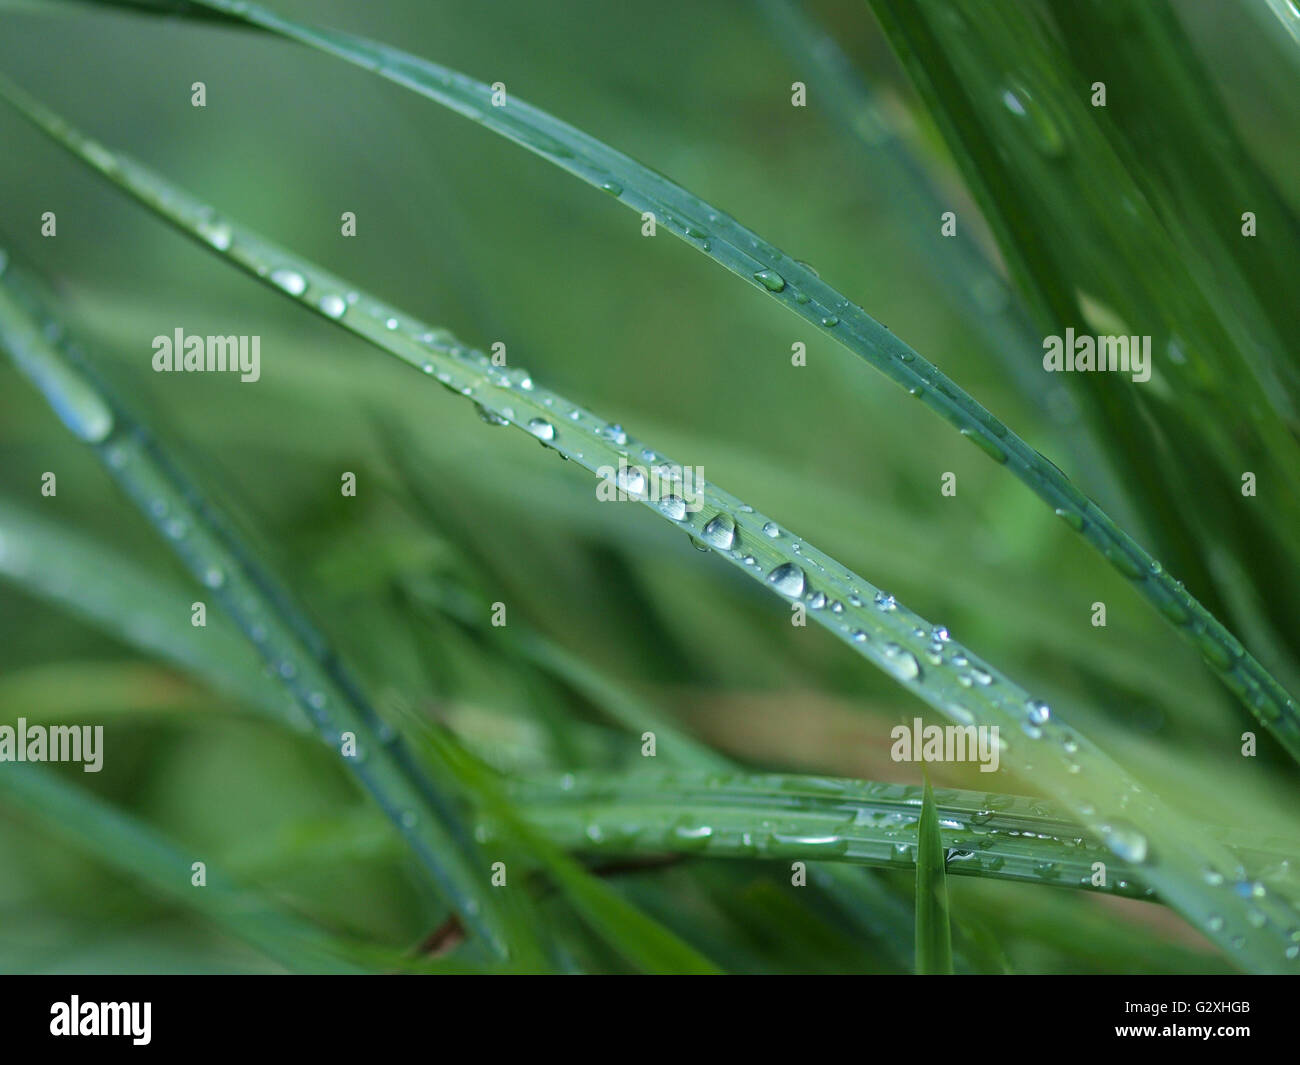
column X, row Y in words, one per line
column 290, row 280
column 788, row 579
column 990, row 448
column 217, row 234
column 1072, row 518
column 1043, row 132
column 213, row 577
column 490, row 417
column 770, row 280
column 674, row 507
column 541, row 428
column 1127, row 842
column 614, row 432
column 901, row 663
column 333, row 306
column 720, row 532
column 630, row 480
column 772, row 530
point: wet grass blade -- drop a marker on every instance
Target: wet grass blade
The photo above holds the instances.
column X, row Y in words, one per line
column 933, row 931
column 1200, row 879
column 784, row 817
column 798, row 288
column 263, row 610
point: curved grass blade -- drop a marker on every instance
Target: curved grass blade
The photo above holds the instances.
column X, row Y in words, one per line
column 933, row 931
column 797, row 287
column 1203, row 881
column 298, row 655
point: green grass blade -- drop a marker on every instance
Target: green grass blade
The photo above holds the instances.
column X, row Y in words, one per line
column 50, row 560
column 1195, row 876
column 797, row 287
column 740, row 815
column 933, row 931
column 1016, row 115
column 299, row 657
column 118, row 840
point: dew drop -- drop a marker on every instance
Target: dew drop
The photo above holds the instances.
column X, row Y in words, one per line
column 902, row 663
column 788, row 579
column 720, row 532
column 541, row 428
column 290, row 280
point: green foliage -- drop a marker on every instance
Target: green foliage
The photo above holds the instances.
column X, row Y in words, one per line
column 503, row 814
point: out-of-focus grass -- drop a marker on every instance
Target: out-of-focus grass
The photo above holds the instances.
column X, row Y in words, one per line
column 469, row 232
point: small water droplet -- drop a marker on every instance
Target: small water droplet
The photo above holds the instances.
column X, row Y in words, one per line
column 290, row 280
column 770, row 280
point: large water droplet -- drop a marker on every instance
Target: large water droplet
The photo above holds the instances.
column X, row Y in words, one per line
column 541, row 428
column 788, row 579
column 720, row 532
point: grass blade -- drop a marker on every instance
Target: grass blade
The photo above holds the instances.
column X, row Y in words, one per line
column 933, row 931
column 742, row 815
column 263, row 610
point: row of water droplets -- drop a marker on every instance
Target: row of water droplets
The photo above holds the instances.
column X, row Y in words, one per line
column 873, row 824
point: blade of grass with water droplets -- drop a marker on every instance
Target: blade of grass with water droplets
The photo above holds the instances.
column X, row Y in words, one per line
column 780, row 816
column 299, row 656
column 798, row 288
column 933, row 931
column 1197, row 877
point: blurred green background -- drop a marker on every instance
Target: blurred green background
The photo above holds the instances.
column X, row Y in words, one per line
column 463, row 229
